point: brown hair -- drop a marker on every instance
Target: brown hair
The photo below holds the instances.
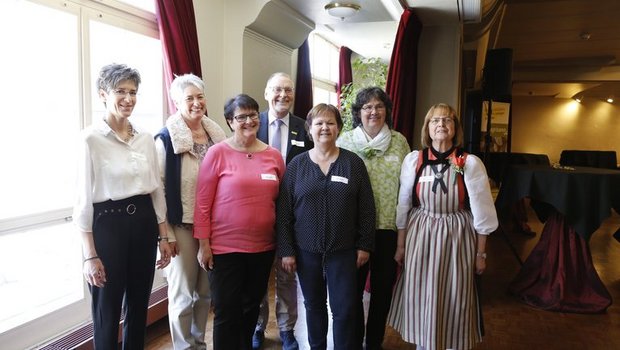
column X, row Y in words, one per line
column 448, row 111
column 322, row 109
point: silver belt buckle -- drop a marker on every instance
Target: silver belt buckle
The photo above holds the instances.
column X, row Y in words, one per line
column 131, row 209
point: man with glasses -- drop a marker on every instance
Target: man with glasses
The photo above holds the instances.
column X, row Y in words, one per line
column 285, row 132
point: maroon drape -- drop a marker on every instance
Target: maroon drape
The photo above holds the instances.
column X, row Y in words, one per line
column 345, row 74
column 402, row 73
column 177, row 32
column 303, row 85
column 559, row 275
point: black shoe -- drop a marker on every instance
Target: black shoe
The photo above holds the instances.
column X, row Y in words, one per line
column 258, row 339
column 288, row 340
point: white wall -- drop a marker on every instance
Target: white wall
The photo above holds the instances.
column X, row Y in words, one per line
column 439, row 62
column 263, row 57
column 220, row 25
column 547, row 125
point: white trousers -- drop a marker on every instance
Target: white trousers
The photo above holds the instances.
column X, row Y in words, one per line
column 189, row 294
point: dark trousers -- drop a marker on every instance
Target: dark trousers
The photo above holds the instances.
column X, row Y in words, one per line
column 336, row 272
column 125, row 234
column 238, row 284
column 382, row 267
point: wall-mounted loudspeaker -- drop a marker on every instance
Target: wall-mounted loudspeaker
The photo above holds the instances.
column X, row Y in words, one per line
column 497, row 74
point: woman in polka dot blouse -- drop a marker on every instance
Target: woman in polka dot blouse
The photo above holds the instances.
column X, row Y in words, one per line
column 326, row 227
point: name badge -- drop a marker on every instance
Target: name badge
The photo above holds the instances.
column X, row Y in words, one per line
column 344, row 180
column 428, row 178
column 138, row 156
column 297, row 143
column 391, row 158
column 269, row 177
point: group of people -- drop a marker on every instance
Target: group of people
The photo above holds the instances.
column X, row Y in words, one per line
column 342, row 212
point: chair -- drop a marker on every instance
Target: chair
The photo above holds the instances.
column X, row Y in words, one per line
column 593, row 159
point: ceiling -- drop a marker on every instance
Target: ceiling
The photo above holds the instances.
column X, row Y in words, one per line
column 560, row 47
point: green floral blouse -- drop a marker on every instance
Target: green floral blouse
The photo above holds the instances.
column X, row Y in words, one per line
column 384, row 172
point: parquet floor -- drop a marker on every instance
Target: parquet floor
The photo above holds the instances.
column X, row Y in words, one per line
column 509, row 324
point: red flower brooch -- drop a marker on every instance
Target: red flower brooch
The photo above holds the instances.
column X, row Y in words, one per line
column 458, row 164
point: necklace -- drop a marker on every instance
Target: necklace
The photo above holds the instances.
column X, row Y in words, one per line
column 130, row 131
column 248, row 150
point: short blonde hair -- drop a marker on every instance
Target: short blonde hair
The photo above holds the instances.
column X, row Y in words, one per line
column 448, row 111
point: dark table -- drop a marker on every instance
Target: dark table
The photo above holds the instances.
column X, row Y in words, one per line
column 559, row 275
column 496, row 163
column 595, row 159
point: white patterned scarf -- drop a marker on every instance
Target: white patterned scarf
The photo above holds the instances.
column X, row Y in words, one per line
column 368, row 147
column 181, row 135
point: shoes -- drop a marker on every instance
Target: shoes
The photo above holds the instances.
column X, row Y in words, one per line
column 258, row 339
column 288, row 340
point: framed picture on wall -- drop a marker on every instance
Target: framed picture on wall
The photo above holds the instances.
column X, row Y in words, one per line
column 498, row 128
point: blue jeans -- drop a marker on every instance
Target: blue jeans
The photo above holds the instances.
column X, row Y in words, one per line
column 336, row 272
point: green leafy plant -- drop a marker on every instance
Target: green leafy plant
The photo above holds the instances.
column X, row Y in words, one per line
column 366, row 72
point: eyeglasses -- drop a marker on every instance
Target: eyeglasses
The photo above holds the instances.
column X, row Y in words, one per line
column 377, row 108
column 242, row 118
column 446, row 120
column 123, row 93
column 278, row 90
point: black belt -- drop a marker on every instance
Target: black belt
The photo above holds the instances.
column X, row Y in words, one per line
column 127, row 206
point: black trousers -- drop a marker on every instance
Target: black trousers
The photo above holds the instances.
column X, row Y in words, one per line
column 125, row 234
column 382, row 267
column 238, row 284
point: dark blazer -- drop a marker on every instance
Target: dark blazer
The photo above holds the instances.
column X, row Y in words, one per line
column 296, row 131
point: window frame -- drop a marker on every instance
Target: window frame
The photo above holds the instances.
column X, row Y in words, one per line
column 118, row 14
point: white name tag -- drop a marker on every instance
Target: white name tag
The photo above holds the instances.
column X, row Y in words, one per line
column 138, row 156
column 428, row 178
column 344, row 180
column 391, row 158
column 269, row 177
column 297, row 143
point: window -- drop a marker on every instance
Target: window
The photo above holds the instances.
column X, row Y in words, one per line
column 324, row 61
column 49, row 66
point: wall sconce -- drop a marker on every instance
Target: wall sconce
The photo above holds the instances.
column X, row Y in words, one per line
column 342, row 10
column 578, row 98
column 610, row 99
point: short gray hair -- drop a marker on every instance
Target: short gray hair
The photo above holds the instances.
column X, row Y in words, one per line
column 181, row 82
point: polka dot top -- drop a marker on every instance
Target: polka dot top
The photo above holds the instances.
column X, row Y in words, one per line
column 322, row 213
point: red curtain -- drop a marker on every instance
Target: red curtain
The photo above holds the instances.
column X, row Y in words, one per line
column 402, row 73
column 177, row 32
column 303, row 84
column 345, row 72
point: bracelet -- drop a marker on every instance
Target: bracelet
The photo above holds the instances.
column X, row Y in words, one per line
column 160, row 238
column 91, row 258
column 481, row 255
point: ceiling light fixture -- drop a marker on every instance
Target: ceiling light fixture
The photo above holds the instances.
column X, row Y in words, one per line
column 610, row 99
column 342, row 10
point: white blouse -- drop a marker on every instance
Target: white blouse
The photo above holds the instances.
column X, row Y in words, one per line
column 109, row 168
column 478, row 189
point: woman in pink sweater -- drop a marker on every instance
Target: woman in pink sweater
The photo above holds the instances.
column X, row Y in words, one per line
column 234, row 221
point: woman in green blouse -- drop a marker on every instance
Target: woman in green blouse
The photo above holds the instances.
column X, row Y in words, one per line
column 383, row 151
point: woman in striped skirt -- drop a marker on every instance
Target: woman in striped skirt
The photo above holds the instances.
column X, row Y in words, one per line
column 445, row 212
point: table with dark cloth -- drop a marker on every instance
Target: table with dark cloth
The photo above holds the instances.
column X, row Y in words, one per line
column 595, row 159
column 559, row 275
column 496, row 163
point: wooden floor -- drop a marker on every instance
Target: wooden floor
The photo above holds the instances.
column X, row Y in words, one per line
column 509, row 324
